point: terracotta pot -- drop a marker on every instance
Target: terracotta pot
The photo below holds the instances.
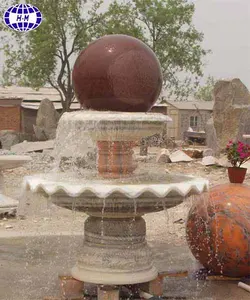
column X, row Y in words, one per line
column 237, row 175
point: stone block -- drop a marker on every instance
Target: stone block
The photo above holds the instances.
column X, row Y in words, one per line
column 180, row 156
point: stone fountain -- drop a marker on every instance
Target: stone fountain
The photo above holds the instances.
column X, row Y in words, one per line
column 118, row 79
column 8, row 205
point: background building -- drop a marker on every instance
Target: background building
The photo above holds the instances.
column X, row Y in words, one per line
column 19, row 106
column 185, row 114
column 10, row 114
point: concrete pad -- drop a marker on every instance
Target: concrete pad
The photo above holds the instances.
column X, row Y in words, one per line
column 30, row 267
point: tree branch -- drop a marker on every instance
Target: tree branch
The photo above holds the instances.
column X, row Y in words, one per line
column 79, row 33
column 56, row 88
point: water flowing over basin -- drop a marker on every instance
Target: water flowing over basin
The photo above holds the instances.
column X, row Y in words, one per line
column 115, row 250
column 148, row 193
column 120, row 76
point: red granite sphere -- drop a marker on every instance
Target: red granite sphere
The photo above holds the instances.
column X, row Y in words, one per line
column 218, row 230
column 117, row 73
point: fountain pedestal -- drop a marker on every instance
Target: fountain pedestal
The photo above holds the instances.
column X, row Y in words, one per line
column 115, row 158
column 115, row 251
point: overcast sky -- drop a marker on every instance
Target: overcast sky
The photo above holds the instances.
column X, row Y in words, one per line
column 225, row 24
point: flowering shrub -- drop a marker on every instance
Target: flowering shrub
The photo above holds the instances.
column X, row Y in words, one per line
column 237, row 153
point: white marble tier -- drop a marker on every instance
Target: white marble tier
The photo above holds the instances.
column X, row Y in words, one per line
column 115, row 126
column 104, row 189
column 119, row 199
column 8, row 205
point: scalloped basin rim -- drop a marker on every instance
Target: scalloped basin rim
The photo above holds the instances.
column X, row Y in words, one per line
column 192, row 186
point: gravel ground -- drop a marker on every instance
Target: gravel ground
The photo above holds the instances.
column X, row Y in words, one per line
column 166, row 224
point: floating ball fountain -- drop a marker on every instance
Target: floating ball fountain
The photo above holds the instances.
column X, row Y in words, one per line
column 120, row 76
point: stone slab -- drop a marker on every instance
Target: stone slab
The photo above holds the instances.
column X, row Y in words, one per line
column 209, row 161
column 179, row 156
column 7, row 204
column 26, row 147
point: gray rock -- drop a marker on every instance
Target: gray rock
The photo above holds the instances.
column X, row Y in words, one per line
column 163, row 156
column 209, row 161
column 180, row 156
column 46, row 121
column 9, row 138
column 208, row 152
column 231, row 114
column 223, row 162
column 7, row 205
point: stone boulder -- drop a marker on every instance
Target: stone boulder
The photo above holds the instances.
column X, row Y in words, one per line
column 231, row 114
column 46, row 121
column 194, row 153
column 163, row 156
column 208, row 152
column 209, row 161
column 8, row 138
column 223, row 162
column 179, row 156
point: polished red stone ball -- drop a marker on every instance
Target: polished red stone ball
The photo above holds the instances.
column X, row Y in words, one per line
column 117, row 73
column 218, row 230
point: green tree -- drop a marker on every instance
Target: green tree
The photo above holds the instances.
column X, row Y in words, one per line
column 205, row 92
column 165, row 26
column 45, row 56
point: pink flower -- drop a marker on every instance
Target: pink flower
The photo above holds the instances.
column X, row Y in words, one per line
column 242, row 155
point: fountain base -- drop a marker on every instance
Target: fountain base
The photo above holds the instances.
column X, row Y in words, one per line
column 115, row 252
column 98, row 277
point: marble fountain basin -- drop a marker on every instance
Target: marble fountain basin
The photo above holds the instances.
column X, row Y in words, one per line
column 134, row 195
column 115, row 251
